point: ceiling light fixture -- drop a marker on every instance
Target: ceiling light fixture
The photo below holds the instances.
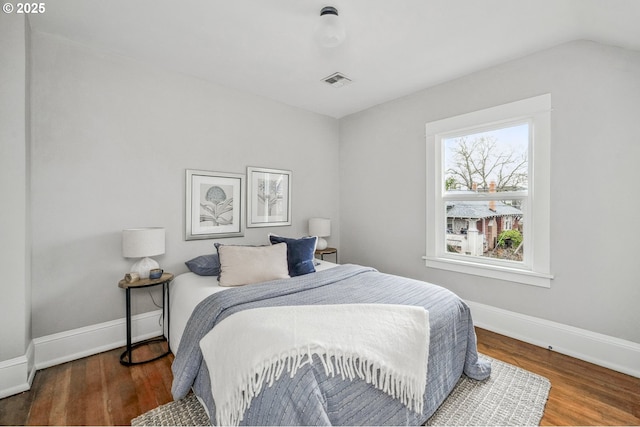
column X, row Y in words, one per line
column 330, row 32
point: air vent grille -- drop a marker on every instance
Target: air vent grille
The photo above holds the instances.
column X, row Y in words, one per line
column 337, row 80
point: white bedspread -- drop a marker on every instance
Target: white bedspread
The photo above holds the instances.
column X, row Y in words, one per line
column 386, row 345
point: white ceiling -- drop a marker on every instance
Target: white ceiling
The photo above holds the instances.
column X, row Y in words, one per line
column 393, row 47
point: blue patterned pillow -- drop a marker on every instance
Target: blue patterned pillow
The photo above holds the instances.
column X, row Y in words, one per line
column 300, row 253
column 205, row 265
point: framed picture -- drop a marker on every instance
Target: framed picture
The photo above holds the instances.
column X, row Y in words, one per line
column 214, row 205
column 268, row 197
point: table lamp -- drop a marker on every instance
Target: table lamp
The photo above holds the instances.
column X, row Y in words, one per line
column 320, row 227
column 143, row 243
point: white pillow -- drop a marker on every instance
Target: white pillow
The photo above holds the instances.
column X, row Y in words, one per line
column 244, row 265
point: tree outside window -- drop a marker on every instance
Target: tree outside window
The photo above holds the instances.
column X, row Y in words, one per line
column 492, row 161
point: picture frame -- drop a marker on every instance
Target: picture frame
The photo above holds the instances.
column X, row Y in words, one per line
column 268, row 197
column 214, row 205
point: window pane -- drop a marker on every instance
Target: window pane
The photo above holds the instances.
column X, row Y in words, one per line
column 492, row 229
column 488, row 161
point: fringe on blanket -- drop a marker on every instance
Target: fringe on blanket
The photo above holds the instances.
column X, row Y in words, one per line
column 335, row 363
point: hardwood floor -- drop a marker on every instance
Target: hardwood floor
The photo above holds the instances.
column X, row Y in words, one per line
column 97, row 390
column 581, row 393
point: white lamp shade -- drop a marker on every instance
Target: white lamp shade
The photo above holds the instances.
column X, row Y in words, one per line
column 142, row 242
column 320, row 227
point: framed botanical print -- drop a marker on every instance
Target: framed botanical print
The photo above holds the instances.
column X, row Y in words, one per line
column 214, row 205
column 268, row 197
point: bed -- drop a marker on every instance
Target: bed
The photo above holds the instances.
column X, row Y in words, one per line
column 311, row 397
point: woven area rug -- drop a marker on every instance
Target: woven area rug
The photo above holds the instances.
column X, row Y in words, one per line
column 510, row 397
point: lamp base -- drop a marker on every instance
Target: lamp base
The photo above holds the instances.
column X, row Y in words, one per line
column 321, row 243
column 143, row 267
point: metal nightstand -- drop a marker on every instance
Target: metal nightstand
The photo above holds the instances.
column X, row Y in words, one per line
column 164, row 280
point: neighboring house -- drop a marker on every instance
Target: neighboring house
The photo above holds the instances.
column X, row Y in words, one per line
column 488, row 219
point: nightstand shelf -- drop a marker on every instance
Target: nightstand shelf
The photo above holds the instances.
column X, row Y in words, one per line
column 164, row 280
column 327, row 251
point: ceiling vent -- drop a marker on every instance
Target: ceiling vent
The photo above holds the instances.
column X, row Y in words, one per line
column 337, row 80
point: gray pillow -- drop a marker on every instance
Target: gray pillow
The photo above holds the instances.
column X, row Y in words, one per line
column 205, row 265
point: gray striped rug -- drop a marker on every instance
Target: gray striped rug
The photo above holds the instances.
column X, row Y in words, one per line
column 510, row 397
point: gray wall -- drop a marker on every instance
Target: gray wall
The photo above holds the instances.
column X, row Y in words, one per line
column 15, row 304
column 595, row 203
column 112, row 138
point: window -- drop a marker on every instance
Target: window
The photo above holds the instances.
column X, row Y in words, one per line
column 488, row 192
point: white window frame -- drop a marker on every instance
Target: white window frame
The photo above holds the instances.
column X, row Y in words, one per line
column 536, row 267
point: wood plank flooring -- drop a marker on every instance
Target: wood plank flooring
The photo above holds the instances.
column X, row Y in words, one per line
column 97, row 390
column 581, row 393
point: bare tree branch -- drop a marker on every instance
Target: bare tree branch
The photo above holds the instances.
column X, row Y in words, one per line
column 482, row 161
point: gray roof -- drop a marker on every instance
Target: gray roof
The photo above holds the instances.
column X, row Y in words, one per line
column 479, row 209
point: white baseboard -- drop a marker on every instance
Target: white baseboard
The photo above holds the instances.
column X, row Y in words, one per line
column 16, row 375
column 70, row 345
column 610, row 352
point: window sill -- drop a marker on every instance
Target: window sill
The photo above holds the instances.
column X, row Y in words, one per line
column 525, row 277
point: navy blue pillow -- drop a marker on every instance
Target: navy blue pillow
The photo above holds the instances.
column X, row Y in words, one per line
column 205, row 265
column 299, row 254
